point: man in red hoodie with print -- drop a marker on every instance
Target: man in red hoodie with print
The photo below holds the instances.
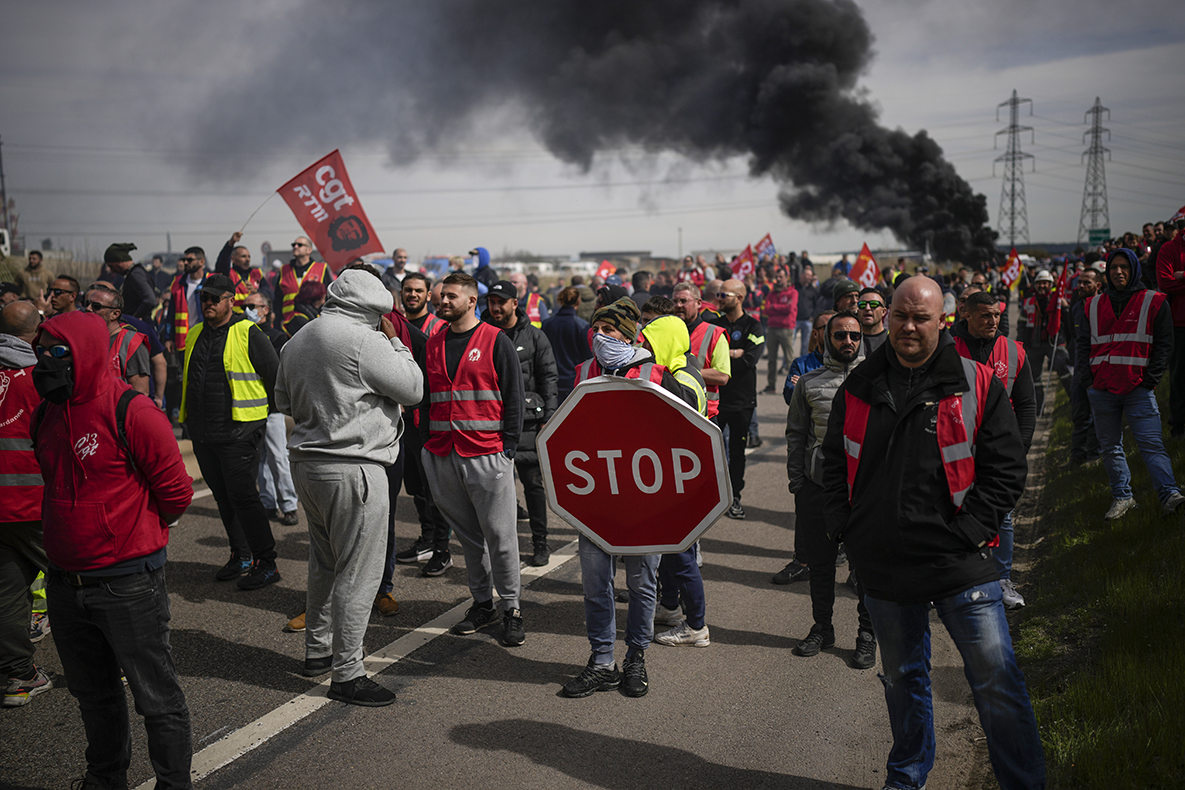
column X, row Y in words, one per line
column 108, row 500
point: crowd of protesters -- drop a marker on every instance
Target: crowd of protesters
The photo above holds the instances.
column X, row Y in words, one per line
column 328, row 392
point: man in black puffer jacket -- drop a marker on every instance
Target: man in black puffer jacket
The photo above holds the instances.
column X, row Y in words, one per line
column 921, row 461
column 539, row 391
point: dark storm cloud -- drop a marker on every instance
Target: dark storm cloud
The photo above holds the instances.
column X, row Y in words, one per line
column 770, row 80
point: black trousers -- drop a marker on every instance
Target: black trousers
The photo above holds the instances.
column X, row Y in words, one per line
column 1177, row 380
column 230, row 471
column 433, row 527
column 738, row 433
column 531, row 476
column 820, row 552
column 1084, row 444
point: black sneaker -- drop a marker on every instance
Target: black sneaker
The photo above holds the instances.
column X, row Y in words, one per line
column 233, row 569
column 289, row 519
column 261, row 574
column 477, row 618
column 633, row 671
column 513, row 634
column 768, row 391
column 316, row 666
column 440, row 562
column 752, row 442
column 361, row 691
column 818, row 639
column 793, row 572
column 736, row 511
column 865, row 656
column 590, row 680
column 541, row 556
column 417, row 552
column 522, row 513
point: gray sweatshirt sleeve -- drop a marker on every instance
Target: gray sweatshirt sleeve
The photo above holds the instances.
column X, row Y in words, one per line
column 388, row 369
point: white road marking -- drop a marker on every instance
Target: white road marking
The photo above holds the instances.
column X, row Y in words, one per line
column 233, row 746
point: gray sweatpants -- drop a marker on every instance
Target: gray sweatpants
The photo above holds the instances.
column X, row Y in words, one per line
column 476, row 497
column 346, row 504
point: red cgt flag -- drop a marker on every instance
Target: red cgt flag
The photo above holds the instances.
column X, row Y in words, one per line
column 324, row 202
column 765, row 247
column 1010, row 274
column 743, row 266
column 864, row 271
column 605, row 269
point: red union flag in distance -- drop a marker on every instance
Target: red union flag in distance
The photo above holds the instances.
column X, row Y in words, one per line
column 743, row 266
column 864, row 271
column 605, row 269
column 326, row 206
column 1010, row 274
column 765, row 247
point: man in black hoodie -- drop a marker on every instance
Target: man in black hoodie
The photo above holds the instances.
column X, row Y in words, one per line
column 1123, row 350
column 916, row 495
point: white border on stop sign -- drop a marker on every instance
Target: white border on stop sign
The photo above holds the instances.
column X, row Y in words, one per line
column 695, row 420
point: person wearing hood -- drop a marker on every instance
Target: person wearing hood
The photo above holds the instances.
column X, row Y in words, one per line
column 475, row 418
column 977, row 337
column 1123, row 350
column 227, row 382
column 917, row 529
column 614, row 328
column 484, row 274
column 343, row 382
column 112, row 486
column 540, row 378
column 806, row 426
column 22, row 555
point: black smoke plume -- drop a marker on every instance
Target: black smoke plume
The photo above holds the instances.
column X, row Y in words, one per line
column 770, row 80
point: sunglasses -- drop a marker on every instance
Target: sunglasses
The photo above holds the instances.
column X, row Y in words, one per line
column 214, row 298
column 841, row 335
column 58, row 351
column 88, row 304
column 254, row 306
column 296, row 244
column 190, row 259
column 873, row 304
column 60, row 291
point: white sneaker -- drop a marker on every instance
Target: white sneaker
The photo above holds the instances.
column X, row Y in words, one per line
column 1171, row 504
column 1119, row 507
column 1012, row 599
column 665, row 616
column 684, row 635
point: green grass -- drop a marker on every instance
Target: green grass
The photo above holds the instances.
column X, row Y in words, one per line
column 1101, row 639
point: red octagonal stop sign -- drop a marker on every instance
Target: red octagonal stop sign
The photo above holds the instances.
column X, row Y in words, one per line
column 634, row 468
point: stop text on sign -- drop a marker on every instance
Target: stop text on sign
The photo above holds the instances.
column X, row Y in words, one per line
column 647, row 471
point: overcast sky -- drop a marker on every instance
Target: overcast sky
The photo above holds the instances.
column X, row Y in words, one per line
column 124, row 121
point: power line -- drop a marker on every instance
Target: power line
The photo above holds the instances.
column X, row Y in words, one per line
column 1014, row 216
column 1094, row 223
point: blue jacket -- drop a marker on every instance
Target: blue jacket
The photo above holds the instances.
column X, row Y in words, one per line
column 804, row 364
column 568, row 334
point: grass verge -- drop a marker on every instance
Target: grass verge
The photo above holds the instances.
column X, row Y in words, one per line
column 1100, row 639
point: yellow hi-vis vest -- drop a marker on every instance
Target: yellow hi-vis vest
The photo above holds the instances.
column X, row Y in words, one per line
column 248, row 396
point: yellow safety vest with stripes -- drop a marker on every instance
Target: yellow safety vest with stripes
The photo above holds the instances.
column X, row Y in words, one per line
column 248, row 396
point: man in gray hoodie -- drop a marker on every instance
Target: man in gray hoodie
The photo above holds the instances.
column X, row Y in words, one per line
column 343, row 379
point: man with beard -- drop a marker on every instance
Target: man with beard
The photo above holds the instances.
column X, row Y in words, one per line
column 806, row 426
column 917, row 530
column 474, row 421
column 539, row 393
column 301, row 269
column 977, row 338
column 235, row 262
column 871, row 309
column 414, row 295
column 139, row 295
column 1043, row 331
column 1123, row 351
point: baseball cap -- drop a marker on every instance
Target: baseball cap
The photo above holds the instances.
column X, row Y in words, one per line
column 503, row 289
column 217, row 285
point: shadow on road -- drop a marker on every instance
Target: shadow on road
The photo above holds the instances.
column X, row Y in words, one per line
column 620, row 763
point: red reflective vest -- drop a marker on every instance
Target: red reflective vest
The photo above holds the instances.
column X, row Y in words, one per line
column 124, row 343
column 290, row 286
column 1006, row 359
column 242, row 289
column 532, row 309
column 1120, row 347
column 180, row 310
column 1031, row 314
column 433, row 324
column 959, row 416
column 21, row 485
column 651, row 371
column 703, row 344
column 465, row 413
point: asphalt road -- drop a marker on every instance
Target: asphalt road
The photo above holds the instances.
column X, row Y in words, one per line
column 744, row 712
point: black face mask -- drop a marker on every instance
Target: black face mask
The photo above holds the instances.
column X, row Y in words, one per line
column 53, row 378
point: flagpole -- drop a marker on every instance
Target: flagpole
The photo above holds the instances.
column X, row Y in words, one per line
column 256, row 211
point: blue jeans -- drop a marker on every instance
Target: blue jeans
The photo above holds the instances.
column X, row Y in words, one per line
column 276, row 489
column 597, row 570
column 1002, row 554
column 975, row 620
column 122, row 625
column 804, row 326
column 681, row 581
column 1144, row 418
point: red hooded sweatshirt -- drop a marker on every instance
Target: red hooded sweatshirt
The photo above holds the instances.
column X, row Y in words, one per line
column 98, row 509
